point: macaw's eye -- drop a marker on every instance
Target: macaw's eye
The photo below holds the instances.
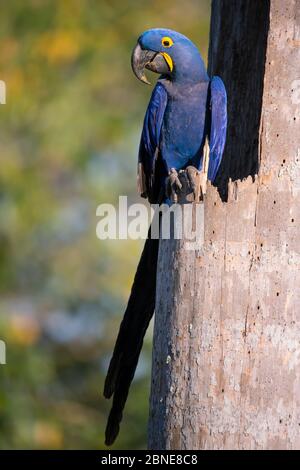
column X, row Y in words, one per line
column 167, row 42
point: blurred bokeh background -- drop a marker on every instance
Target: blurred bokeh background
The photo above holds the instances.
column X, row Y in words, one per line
column 68, row 141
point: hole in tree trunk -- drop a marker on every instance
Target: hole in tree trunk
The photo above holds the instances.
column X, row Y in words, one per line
column 237, row 54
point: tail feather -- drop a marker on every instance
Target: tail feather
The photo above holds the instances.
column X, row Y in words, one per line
column 120, row 396
column 129, row 343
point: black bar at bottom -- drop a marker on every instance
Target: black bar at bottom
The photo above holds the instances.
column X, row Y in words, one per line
column 138, row 458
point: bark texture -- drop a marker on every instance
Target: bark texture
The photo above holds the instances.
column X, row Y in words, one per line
column 226, row 357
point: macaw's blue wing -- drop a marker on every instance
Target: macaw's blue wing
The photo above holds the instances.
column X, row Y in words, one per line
column 149, row 146
column 218, row 125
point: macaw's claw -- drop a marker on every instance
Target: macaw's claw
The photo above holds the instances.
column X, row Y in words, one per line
column 197, row 181
column 173, row 185
column 191, row 173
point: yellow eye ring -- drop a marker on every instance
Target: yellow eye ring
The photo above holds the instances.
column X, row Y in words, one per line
column 167, row 42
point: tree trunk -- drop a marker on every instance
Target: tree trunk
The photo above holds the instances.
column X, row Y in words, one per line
column 226, row 357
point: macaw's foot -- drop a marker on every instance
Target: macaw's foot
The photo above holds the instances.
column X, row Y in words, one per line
column 197, row 181
column 173, row 185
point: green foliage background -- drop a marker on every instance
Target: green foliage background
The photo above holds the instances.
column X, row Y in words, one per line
column 68, row 142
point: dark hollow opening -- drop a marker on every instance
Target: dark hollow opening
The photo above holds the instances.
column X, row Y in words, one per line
column 237, row 53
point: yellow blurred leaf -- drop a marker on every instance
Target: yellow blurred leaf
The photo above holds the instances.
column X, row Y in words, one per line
column 48, row 436
column 23, row 330
column 58, row 46
column 9, row 49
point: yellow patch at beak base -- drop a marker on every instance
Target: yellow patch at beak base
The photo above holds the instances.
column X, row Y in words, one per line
column 168, row 60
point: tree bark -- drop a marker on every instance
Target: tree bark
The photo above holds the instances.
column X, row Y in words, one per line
column 226, row 354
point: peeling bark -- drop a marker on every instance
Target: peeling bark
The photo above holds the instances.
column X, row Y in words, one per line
column 226, row 357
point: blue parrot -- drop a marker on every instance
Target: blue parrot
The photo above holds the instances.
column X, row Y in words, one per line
column 185, row 109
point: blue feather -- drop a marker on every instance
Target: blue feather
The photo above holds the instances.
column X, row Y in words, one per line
column 150, row 138
column 218, row 127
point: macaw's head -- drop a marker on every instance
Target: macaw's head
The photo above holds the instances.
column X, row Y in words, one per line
column 170, row 54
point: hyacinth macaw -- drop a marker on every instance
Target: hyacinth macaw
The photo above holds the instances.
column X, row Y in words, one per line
column 185, row 109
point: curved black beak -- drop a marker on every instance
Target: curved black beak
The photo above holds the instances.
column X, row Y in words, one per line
column 151, row 60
